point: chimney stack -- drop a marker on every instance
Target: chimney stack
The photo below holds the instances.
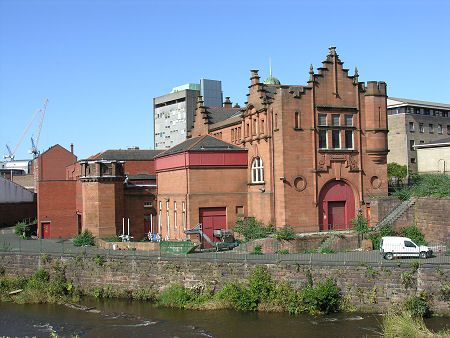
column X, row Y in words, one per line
column 227, row 103
column 71, row 148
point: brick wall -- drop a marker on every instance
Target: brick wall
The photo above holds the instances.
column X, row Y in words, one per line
column 371, row 288
column 432, row 218
column 10, row 213
column 58, row 207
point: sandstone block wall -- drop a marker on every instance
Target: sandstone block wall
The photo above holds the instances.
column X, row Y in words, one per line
column 371, row 288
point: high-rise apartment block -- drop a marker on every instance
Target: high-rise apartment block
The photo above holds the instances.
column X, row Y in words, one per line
column 173, row 114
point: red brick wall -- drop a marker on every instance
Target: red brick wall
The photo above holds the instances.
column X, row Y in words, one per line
column 10, row 213
column 139, row 167
column 57, row 205
column 52, row 163
column 134, row 209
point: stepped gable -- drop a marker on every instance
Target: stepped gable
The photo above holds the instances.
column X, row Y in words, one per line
column 201, row 143
column 126, row 155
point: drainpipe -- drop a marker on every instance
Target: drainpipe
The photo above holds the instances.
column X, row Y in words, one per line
column 273, row 171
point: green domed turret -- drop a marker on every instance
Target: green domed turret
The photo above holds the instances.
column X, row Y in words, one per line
column 272, row 81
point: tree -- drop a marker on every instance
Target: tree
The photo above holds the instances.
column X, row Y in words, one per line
column 360, row 226
column 396, row 170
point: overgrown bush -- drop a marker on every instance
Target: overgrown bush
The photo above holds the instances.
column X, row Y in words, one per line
column 403, row 324
column 414, row 234
column 418, row 306
column 83, row 239
column 250, row 228
column 434, row 185
column 26, row 230
column 286, row 233
column 396, row 170
column 257, row 250
column 178, row 296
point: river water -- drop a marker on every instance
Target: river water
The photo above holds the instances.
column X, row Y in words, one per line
column 120, row 318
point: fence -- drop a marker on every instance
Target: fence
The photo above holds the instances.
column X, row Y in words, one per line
column 264, row 251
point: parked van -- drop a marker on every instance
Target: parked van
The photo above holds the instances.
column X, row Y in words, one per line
column 391, row 247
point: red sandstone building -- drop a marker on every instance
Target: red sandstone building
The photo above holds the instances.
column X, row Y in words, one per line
column 306, row 156
column 315, row 153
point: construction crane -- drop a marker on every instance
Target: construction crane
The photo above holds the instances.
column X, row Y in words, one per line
column 34, row 143
column 11, row 154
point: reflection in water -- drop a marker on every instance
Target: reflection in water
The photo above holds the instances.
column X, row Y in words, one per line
column 120, row 318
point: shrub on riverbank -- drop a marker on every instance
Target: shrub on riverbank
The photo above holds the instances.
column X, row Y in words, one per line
column 83, row 239
column 259, row 293
column 39, row 288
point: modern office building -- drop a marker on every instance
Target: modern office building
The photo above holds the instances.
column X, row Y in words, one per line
column 173, row 114
column 411, row 123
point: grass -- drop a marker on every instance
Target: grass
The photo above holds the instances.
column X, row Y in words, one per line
column 404, row 324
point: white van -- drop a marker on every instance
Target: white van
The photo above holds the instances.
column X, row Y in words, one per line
column 391, row 247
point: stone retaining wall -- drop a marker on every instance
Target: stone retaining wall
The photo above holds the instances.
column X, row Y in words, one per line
column 370, row 288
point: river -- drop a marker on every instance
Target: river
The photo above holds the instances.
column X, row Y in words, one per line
column 120, row 318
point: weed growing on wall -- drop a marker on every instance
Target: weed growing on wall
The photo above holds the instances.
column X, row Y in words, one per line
column 286, row 233
column 250, row 228
column 83, row 239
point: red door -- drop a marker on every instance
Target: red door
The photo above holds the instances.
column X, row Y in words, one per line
column 212, row 219
column 45, row 226
column 147, row 223
column 336, row 215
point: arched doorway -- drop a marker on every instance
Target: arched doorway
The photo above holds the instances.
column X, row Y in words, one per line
column 336, row 206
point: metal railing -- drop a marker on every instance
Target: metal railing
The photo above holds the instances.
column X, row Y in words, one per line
column 269, row 250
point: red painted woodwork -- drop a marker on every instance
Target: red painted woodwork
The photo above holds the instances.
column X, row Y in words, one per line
column 338, row 195
column 217, row 158
column 211, row 219
column 336, row 214
column 45, row 229
column 148, row 223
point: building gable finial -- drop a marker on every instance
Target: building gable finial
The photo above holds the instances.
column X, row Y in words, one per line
column 270, row 66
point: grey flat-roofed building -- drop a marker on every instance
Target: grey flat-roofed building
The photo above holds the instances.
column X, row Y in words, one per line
column 411, row 123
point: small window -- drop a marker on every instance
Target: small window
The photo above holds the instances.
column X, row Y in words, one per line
column 421, row 127
column 257, row 171
column 322, row 119
column 183, row 205
column 349, row 139
column 411, row 127
column 430, row 128
column 336, row 139
column 349, row 120
column 240, row 211
column 322, row 139
column 148, row 204
column 439, row 128
column 409, row 244
column 413, row 160
column 296, row 121
column 335, row 119
column 263, row 126
column 411, row 145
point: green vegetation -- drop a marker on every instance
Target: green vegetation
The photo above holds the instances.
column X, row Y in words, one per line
column 40, row 288
column 83, row 239
column 411, row 232
column 250, row 228
column 404, row 324
column 259, row 293
column 360, row 226
column 396, row 170
column 26, row 230
column 427, row 186
column 257, row 250
column 414, row 233
column 286, row 233
column 418, row 306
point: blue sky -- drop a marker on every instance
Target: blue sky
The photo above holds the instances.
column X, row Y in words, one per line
column 100, row 63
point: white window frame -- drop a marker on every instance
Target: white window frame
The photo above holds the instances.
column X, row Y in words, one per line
column 184, row 214
column 168, row 219
column 175, row 214
column 345, row 139
column 159, row 217
column 339, row 139
column 257, row 170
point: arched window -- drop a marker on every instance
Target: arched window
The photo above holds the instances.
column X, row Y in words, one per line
column 257, row 171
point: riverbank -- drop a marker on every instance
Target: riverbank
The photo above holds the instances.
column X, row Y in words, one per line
column 364, row 287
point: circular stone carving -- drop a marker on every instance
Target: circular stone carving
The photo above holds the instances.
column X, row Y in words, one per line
column 300, row 183
column 375, row 181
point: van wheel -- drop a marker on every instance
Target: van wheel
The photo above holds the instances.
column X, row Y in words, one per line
column 423, row 255
column 389, row 256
